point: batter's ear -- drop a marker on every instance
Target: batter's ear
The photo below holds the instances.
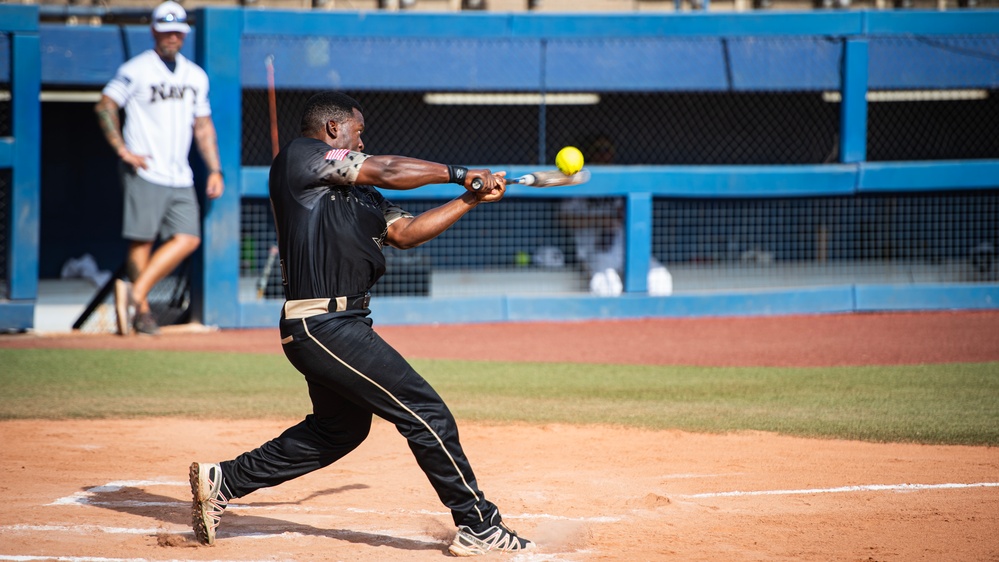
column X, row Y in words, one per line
column 331, row 128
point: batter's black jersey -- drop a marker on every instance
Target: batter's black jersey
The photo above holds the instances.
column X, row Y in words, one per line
column 330, row 231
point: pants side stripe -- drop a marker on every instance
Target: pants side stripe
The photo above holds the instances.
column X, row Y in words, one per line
column 404, row 407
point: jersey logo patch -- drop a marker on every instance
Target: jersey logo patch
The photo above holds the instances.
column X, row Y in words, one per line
column 337, row 154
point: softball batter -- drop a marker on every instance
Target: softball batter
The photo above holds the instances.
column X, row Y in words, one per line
column 331, row 225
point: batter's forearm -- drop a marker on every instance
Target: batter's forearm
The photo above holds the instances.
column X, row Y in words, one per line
column 430, row 224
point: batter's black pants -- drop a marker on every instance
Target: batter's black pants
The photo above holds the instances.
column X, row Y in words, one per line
column 353, row 373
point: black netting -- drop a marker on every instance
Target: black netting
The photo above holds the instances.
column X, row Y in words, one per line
column 938, row 103
column 703, row 127
column 934, row 130
column 905, row 238
column 260, row 274
column 401, row 123
column 661, row 128
column 522, row 245
column 503, row 242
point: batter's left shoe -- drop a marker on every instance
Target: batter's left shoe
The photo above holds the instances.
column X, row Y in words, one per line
column 493, row 538
column 209, row 501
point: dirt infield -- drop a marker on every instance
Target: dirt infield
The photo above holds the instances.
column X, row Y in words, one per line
column 116, row 490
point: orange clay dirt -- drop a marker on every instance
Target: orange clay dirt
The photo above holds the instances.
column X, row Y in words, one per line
column 116, row 490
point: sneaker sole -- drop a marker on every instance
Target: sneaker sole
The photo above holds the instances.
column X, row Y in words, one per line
column 198, row 516
column 462, row 550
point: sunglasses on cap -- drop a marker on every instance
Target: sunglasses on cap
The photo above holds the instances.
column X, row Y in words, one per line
column 171, row 18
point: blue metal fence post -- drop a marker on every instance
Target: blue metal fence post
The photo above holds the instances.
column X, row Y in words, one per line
column 25, row 197
column 638, row 241
column 219, row 31
column 853, row 109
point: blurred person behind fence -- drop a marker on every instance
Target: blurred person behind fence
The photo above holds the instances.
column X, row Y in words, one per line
column 597, row 225
column 165, row 99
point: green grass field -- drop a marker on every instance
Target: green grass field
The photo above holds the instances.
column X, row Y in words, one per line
column 947, row 404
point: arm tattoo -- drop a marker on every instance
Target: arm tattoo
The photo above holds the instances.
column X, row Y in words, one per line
column 107, row 118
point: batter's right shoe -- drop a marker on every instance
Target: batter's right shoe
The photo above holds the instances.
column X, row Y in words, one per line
column 496, row 537
column 123, row 306
column 209, row 501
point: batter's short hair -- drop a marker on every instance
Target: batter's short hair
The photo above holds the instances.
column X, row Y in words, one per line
column 325, row 107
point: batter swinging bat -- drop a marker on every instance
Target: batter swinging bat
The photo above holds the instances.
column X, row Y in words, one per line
column 546, row 178
column 265, row 275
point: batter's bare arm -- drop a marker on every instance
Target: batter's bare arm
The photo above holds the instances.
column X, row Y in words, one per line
column 206, row 139
column 402, row 172
column 408, row 233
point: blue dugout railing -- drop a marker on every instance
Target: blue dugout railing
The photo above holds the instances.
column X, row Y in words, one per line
column 20, row 66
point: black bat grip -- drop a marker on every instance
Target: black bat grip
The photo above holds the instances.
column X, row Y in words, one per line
column 476, row 184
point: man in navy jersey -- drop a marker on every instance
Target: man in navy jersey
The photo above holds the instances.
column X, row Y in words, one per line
column 331, row 225
column 165, row 98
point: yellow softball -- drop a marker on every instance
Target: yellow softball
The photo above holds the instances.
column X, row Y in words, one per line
column 569, row 160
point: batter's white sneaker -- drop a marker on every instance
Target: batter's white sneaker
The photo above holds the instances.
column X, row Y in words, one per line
column 497, row 537
column 209, row 502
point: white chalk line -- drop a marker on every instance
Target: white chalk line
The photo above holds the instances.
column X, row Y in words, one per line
column 186, row 531
column 842, row 489
column 525, row 516
column 83, row 498
column 25, row 558
column 86, row 498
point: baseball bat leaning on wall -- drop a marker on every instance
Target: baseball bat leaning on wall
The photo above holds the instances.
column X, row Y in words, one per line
column 265, row 275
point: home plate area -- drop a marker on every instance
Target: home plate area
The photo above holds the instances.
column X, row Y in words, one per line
column 245, row 526
column 116, row 491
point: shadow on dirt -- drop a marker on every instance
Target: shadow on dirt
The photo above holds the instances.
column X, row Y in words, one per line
column 237, row 522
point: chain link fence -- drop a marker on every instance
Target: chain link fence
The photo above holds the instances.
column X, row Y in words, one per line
column 710, row 244
column 936, row 103
column 525, row 245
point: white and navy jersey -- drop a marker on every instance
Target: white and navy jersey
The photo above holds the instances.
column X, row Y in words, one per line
column 330, row 231
column 160, row 108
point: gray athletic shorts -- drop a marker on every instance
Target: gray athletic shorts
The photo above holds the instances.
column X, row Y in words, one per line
column 152, row 209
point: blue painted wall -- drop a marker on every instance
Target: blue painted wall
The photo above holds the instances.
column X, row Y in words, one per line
column 20, row 154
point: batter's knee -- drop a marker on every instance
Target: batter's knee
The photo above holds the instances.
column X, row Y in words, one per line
column 341, row 436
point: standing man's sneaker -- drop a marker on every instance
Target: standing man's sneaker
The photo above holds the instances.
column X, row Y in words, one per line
column 145, row 323
column 123, row 306
column 209, row 501
column 495, row 537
